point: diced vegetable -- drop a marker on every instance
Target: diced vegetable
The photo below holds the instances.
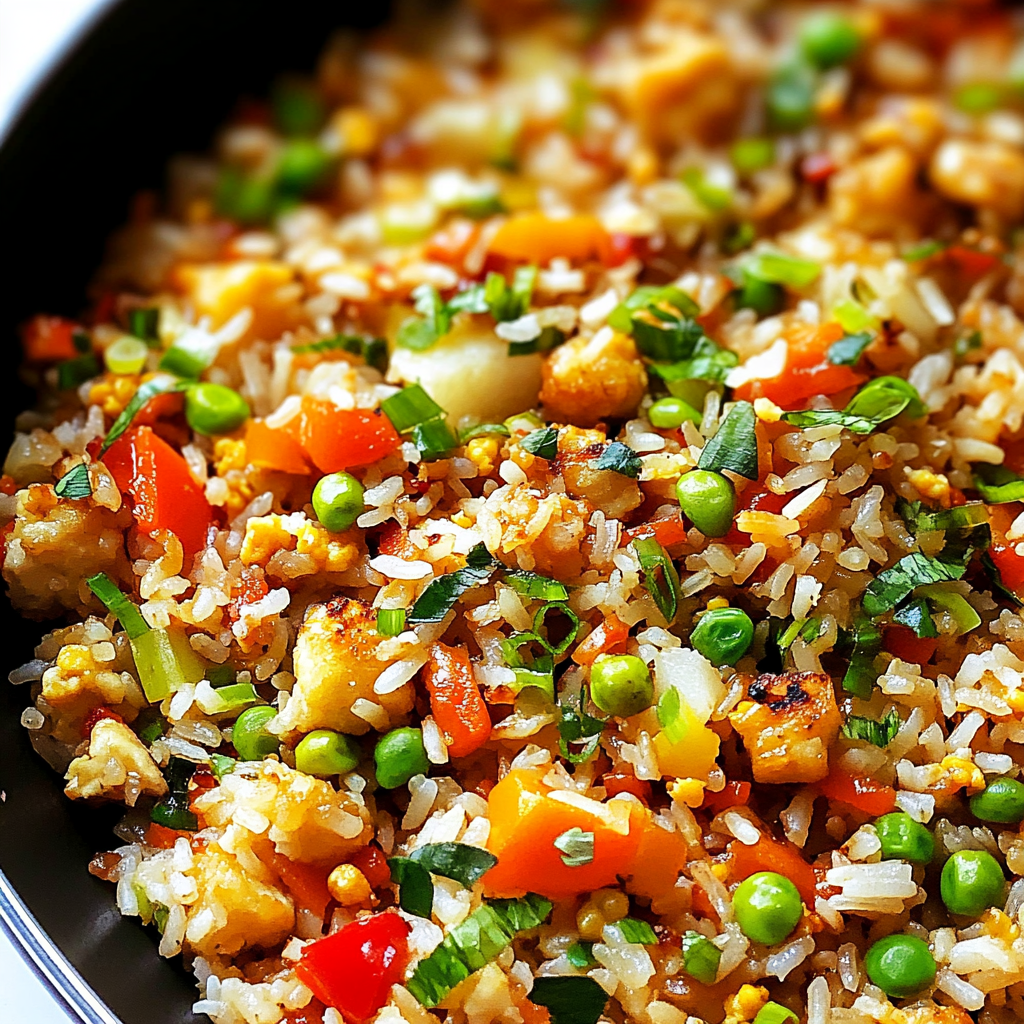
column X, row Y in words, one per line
column 700, row 957
column 399, row 755
column 768, row 853
column 415, row 887
column 880, row 733
column 339, row 439
column 537, row 238
column 570, row 1000
column 173, row 810
column 441, row 594
column 459, row 861
column 455, row 700
column 867, row 795
column 734, row 445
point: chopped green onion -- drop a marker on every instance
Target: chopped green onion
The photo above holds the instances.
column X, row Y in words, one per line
column 700, row 957
column 775, row 1013
column 173, row 810
column 848, row 349
column 550, row 337
column 75, row 483
column 542, row 443
column 753, row 154
column 923, row 251
column 390, row 621
column 302, row 166
column 978, row 97
column 145, row 324
column 892, row 585
column 997, row 484
column 881, row 734
column 472, row 944
column 575, row 847
column 781, row 268
column 540, row 627
column 222, row 765
column 714, row 197
column 296, row 107
column 531, row 584
column 73, row 372
column 126, row 356
column 660, row 576
column 233, row 697
column 630, row 929
column 861, row 676
column 483, row 430
column 410, row 407
column 853, row 317
column 165, row 662
column 150, row 389
column 828, row 39
column 734, row 446
column 117, row 604
column 967, row 343
column 668, row 298
column 576, row 726
column 416, row 890
column 434, row 439
column 880, row 400
column 581, row 955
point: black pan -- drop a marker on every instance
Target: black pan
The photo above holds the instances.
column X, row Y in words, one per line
column 149, row 79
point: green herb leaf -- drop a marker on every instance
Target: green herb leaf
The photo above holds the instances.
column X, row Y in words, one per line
column 781, row 268
column 146, row 391
column 860, row 677
column 665, row 336
column 734, row 446
column 890, row 587
column 459, row 861
column 440, row 595
column 75, row 483
column 173, row 810
column 709, row 362
column 914, row 614
column 997, row 484
column 880, row 400
column 576, row 847
column 667, row 297
column 630, row 929
column 543, row 443
column 881, row 734
column 581, row 955
column 621, row 459
column 576, row 726
column 924, row 251
column 570, row 1000
column 848, row 349
column 660, row 576
column 416, row 890
column 474, row 943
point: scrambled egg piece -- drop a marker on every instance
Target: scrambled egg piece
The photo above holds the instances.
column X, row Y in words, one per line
column 115, row 755
column 112, row 392
column 876, row 190
column 78, row 681
column 745, row 1004
column 267, row 535
column 788, row 726
column 268, row 288
column 305, row 818
column 931, row 485
column 234, row 909
column 335, row 664
column 989, row 174
column 590, row 379
column 929, row 1013
column 55, row 546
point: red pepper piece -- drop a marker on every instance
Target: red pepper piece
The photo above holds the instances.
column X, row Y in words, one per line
column 337, row 439
column 735, row 794
column 95, row 716
column 902, row 643
column 455, row 700
column 866, row 795
column 353, row 969
column 373, row 864
column 164, row 494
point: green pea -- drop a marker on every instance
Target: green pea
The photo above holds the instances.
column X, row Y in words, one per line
column 902, row 838
column 790, row 97
column 324, row 752
column 399, row 755
column 338, row 501
column 708, row 500
column 767, row 906
column 900, row 965
column 214, row 409
column 972, row 881
column 829, row 39
column 250, row 736
column 723, row 635
column 752, row 154
column 1001, row 800
column 669, row 413
column 621, row 685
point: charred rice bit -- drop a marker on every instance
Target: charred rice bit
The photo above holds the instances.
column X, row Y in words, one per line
column 355, row 504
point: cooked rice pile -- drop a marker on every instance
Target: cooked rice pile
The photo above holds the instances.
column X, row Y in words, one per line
column 823, row 220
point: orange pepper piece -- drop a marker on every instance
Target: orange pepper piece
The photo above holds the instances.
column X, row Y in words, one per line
column 274, row 449
column 659, row 859
column 455, row 700
column 537, row 238
column 866, row 795
column 337, row 439
column 527, row 817
column 47, row 339
column 610, row 635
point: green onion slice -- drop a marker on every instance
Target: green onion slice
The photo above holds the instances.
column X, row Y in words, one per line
column 173, row 810
column 115, row 601
column 660, row 576
column 416, row 890
column 881, row 734
column 410, row 407
column 734, row 445
column 390, row 621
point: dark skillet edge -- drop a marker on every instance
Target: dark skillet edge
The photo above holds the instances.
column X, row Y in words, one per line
column 47, row 962
column 139, row 81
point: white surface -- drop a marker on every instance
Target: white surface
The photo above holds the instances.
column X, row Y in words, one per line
column 31, row 32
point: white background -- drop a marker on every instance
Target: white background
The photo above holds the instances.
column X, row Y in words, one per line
column 31, row 32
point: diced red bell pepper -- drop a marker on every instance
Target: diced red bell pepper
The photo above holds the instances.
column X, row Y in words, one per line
column 353, row 969
column 336, row 439
column 608, row 637
column 373, row 864
column 1003, row 552
column 453, row 242
column 667, row 532
column 455, row 700
column 903, row 643
column 866, row 795
column 306, row 882
column 817, row 167
column 164, row 494
column 97, row 715
column 47, row 339
column 769, row 854
column 735, row 794
column 971, row 262
column 807, row 371
column 626, row 782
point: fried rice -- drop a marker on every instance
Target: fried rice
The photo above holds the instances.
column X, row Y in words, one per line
column 543, row 475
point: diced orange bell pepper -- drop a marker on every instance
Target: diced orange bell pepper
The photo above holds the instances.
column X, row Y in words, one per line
column 164, row 494
column 659, row 859
column 47, row 339
column 807, row 371
column 455, row 700
column 537, row 238
column 274, row 449
column 336, row 439
column 769, row 854
column 306, row 882
column 667, row 532
column 373, row 864
column 527, row 817
column 735, row 794
column 866, row 795
column 903, row 643
column 608, row 637
column 626, row 782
